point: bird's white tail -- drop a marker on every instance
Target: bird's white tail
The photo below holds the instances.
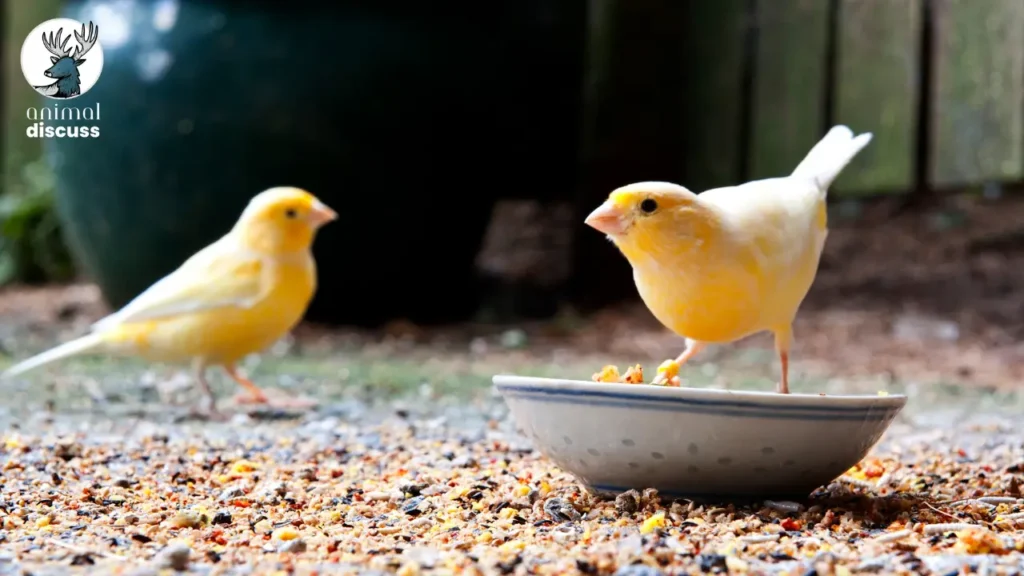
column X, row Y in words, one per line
column 85, row 344
column 830, row 155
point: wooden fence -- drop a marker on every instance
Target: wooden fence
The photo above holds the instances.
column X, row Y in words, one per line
column 756, row 82
column 717, row 92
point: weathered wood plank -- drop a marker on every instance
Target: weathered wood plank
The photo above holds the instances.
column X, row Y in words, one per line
column 978, row 92
column 876, row 90
column 713, row 98
column 789, row 84
column 632, row 89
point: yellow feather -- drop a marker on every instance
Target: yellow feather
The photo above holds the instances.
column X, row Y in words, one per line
column 729, row 262
column 235, row 297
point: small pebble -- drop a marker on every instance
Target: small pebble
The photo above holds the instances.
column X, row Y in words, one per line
column 175, row 556
column 638, row 570
column 416, row 506
column 628, row 502
column 561, row 511
column 296, row 546
column 231, row 493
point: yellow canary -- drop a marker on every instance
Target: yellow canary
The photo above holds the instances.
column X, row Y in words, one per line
column 235, row 297
column 732, row 261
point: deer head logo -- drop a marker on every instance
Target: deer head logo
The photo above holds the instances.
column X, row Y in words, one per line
column 65, row 61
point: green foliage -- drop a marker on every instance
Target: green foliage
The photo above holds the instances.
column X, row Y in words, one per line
column 32, row 248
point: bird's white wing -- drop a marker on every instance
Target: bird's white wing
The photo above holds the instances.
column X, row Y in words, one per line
column 778, row 218
column 215, row 277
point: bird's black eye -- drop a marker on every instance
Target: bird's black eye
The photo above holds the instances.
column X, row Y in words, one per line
column 290, row 213
column 649, row 205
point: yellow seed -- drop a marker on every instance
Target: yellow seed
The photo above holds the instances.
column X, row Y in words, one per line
column 13, row 521
column 508, row 513
column 653, row 523
column 457, row 492
column 244, row 467
column 485, row 537
column 734, row 564
column 186, row 519
column 43, row 521
column 609, row 373
column 669, row 368
column 410, row 569
column 521, row 490
column 512, row 546
column 545, row 488
column 285, row 533
column 634, row 375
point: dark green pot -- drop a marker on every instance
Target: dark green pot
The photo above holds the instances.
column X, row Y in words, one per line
column 408, row 120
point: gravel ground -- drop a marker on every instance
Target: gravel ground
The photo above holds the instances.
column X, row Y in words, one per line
column 408, row 486
column 411, row 466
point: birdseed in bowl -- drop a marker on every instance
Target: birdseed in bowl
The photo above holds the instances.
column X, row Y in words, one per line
column 635, row 374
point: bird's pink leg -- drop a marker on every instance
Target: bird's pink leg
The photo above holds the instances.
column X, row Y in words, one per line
column 783, row 338
column 784, row 383
column 257, row 395
column 211, row 411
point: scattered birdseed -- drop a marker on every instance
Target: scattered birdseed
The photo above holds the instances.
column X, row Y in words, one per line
column 454, row 494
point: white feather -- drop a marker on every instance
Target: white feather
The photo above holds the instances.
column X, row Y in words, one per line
column 830, row 155
column 87, row 343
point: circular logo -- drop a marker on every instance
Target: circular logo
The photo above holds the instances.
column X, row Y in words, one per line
column 62, row 58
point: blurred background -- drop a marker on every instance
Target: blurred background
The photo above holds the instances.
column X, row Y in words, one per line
column 463, row 147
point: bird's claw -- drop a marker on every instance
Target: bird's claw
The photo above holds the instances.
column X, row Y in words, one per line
column 279, row 402
column 253, row 398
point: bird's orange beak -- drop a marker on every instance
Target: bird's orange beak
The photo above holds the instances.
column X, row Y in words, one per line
column 321, row 214
column 607, row 218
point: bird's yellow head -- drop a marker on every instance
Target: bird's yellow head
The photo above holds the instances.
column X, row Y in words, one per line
column 646, row 218
column 281, row 220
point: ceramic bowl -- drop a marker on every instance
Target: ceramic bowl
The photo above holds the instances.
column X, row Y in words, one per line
column 696, row 443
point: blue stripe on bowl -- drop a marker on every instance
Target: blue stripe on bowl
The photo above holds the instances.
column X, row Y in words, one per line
column 526, row 388
column 711, row 408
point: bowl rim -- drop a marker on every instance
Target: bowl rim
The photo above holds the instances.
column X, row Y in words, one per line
column 534, row 385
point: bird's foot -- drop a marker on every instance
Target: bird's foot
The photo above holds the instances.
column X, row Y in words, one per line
column 782, row 388
column 252, row 397
column 275, row 401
